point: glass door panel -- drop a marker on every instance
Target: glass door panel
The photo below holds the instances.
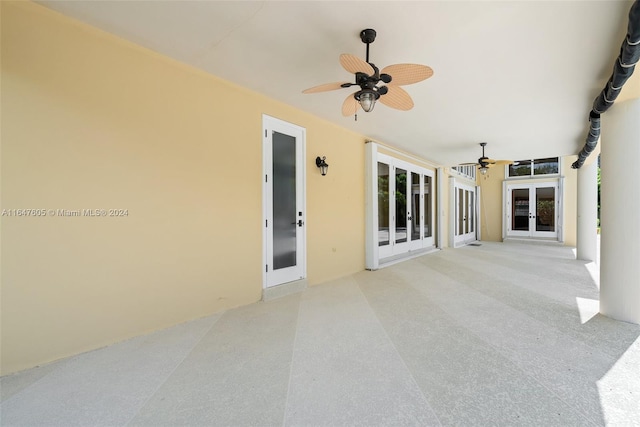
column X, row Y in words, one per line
column 465, row 196
column 460, row 228
column 428, row 206
column 545, row 209
column 383, row 204
column 284, row 201
column 401, row 206
column 416, row 208
column 471, row 210
column 520, row 209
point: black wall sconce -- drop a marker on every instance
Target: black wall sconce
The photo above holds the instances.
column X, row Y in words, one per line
column 320, row 162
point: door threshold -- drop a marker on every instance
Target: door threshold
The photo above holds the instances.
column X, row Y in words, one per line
column 550, row 241
column 463, row 244
column 284, row 289
column 386, row 262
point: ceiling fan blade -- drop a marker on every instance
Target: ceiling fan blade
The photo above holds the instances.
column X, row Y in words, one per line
column 406, row 74
column 397, row 98
column 350, row 106
column 353, row 64
column 503, row 162
column 325, row 87
column 487, row 160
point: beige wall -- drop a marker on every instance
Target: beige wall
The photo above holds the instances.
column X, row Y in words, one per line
column 491, row 204
column 631, row 89
column 93, row 122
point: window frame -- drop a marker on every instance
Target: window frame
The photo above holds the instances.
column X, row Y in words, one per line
column 532, row 174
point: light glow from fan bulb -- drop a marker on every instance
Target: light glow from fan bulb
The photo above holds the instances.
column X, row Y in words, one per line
column 367, row 101
column 483, row 170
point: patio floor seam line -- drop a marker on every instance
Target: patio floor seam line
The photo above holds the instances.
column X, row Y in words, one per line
column 404, row 363
column 293, row 355
column 175, row 368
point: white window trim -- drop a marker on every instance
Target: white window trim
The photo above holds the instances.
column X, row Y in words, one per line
column 532, row 176
column 471, row 177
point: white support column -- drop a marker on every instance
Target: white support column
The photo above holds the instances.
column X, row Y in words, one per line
column 620, row 212
column 587, row 236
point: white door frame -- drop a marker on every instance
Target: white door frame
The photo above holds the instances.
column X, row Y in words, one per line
column 423, row 241
column 395, row 248
column 532, row 232
column 373, row 252
column 458, row 237
column 299, row 270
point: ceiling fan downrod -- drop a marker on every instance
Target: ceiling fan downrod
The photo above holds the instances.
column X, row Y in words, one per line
column 368, row 36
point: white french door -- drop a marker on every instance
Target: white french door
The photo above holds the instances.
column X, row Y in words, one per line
column 465, row 208
column 405, row 207
column 284, row 202
column 532, row 210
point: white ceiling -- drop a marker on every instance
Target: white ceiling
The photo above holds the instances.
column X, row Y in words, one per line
column 520, row 75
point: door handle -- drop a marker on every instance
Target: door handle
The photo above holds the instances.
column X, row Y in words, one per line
column 300, row 223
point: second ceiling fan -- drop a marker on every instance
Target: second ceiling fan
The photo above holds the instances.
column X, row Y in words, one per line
column 367, row 77
column 484, row 163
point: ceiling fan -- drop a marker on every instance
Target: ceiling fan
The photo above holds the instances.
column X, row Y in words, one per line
column 484, row 163
column 367, row 76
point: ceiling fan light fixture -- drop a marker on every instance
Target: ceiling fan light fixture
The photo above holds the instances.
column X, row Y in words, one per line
column 483, row 170
column 368, row 76
column 367, row 100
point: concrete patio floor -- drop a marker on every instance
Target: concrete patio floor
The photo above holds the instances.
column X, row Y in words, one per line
column 500, row 334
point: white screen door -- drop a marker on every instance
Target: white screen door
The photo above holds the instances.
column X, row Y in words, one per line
column 284, row 213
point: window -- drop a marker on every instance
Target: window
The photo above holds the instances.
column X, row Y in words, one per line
column 467, row 171
column 536, row 167
column 545, row 166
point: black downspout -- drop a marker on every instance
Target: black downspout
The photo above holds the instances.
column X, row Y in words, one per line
column 622, row 70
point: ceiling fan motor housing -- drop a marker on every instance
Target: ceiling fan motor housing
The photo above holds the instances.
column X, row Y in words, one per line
column 368, row 35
